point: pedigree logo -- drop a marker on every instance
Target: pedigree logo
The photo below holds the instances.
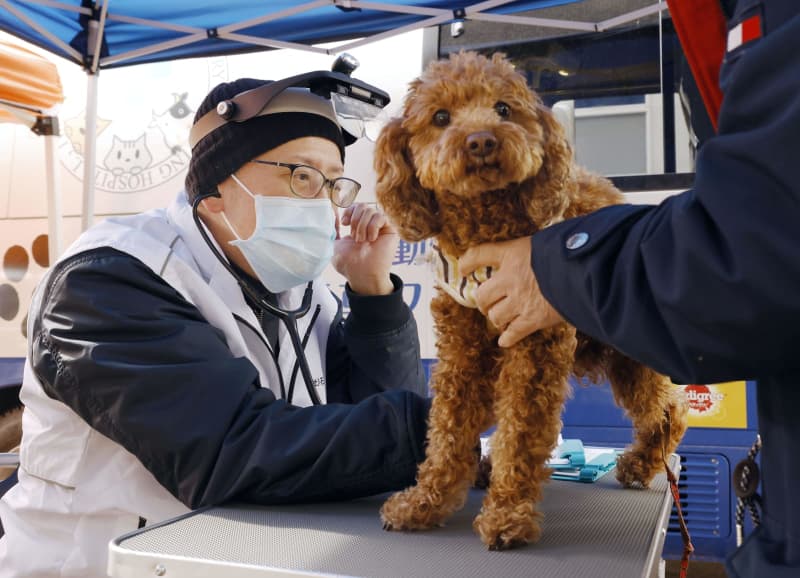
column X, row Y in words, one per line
column 142, row 124
column 716, row 405
column 701, row 399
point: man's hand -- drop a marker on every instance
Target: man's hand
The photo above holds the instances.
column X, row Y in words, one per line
column 510, row 298
column 365, row 256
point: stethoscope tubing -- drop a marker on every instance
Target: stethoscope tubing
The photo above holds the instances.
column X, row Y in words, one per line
column 289, row 317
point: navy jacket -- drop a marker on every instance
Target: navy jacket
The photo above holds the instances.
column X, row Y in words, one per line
column 256, row 448
column 706, row 286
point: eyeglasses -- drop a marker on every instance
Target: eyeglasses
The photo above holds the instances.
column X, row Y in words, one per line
column 307, row 182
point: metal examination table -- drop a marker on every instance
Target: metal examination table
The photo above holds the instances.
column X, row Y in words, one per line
column 594, row 530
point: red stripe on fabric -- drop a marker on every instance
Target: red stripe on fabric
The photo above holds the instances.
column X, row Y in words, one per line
column 702, row 30
column 751, row 28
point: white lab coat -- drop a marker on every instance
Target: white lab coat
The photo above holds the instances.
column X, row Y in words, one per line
column 77, row 488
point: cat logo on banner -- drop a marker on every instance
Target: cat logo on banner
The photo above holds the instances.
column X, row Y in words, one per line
column 142, row 125
column 721, row 405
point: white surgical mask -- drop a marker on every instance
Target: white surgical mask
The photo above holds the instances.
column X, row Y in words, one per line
column 292, row 242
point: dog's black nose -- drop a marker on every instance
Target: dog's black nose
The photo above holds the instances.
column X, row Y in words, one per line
column 481, row 144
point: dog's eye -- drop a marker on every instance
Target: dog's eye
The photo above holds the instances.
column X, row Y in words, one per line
column 441, row 118
column 503, row 110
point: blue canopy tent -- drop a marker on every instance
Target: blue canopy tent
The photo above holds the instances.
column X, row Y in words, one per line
column 104, row 34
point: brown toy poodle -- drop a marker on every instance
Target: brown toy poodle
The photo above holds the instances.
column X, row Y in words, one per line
column 477, row 157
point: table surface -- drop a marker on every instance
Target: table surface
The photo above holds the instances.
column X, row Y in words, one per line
column 598, row 530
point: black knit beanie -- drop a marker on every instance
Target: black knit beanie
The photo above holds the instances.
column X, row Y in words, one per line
column 224, row 150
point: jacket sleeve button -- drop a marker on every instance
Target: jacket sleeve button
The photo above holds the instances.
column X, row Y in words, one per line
column 577, row 240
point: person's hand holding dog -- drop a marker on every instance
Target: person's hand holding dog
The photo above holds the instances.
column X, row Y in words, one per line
column 365, row 256
column 510, row 298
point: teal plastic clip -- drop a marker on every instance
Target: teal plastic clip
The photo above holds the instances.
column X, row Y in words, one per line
column 570, row 463
column 598, row 466
column 572, row 451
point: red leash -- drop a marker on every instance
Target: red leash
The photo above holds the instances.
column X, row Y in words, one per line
column 688, row 547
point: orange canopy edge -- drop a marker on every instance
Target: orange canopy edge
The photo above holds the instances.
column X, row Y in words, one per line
column 27, row 79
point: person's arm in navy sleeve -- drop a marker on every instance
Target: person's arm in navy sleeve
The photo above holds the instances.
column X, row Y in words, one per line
column 375, row 349
column 704, row 286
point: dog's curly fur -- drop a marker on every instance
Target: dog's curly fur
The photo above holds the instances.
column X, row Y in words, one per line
column 477, row 157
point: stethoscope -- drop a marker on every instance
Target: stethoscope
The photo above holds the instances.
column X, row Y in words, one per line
column 289, row 317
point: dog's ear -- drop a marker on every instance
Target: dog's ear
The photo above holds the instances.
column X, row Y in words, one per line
column 551, row 197
column 412, row 209
column 558, row 152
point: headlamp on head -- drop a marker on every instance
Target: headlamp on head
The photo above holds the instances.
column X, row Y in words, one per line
column 357, row 106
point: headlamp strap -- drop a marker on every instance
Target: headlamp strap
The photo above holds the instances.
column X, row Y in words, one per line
column 251, row 103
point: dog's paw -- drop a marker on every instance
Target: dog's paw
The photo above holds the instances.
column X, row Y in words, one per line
column 637, row 469
column 410, row 510
column 504, row 530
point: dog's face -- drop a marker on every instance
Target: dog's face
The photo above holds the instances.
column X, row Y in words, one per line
column 474, row 125
column 470, row 124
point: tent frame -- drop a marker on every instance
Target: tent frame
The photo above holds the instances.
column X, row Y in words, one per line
column 47, row 126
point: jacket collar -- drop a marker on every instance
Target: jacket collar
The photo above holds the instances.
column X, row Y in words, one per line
column 219, row 279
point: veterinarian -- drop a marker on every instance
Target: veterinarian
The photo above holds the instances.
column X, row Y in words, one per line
column 160, row 359
column 705, row 286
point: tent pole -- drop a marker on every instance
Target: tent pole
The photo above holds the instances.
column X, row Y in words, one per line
column 54, row 214
column 89, row 152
